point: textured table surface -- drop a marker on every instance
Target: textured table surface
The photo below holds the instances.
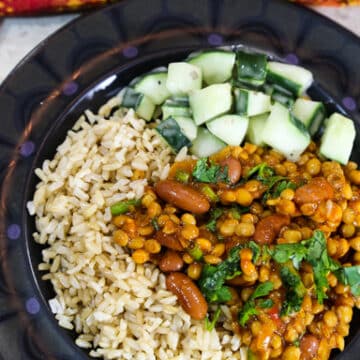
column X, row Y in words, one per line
column 19, row 36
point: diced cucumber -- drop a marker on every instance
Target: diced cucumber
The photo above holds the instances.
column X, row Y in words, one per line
column 216, row 65
column 250, row 68
column 255, row 129
column 170, row 131
column 176, row 107
column 280, row 95
column 183, row 78
column 251, row 103
column 293, row 78
column 338, row 138
column 187, row 127
column 311, row 113
column 210, row 102
column 142, row 105
column 153, row 85
column 229, row 128
column 285, row 133
column 206, row 144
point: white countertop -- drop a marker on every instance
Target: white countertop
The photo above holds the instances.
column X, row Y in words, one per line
column 20, row 35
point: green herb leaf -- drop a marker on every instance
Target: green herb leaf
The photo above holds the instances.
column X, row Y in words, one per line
column 256, row 250
column 295, row 289
column 212, row 173
column 214, row 215
column 262, row 290
column 249, row 308
column 195, row 252
column 213, row 277
column 210, row 324
column 281, row 186
column 284, row 252
column 266, row 303
column 350, row 275
column 123, row 207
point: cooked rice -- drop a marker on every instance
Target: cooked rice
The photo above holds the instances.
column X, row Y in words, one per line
column 120, row 310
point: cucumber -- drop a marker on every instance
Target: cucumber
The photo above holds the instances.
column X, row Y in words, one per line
column 142, row 104
column 280, row 95
column 311, row 113
column 338, row 138
column 176, row 107
column 206, row 144
column 255, row 129
column 170, row 131
column 285, row 133
column 229, row 128
column 251, row 103
column 210, row 102
column 183, row 78
column 216, row 65
column 187, row 126
column 251, row 69
column 293, row 78
column 153, row 85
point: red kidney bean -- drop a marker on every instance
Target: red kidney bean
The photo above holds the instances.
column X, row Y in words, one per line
column 234, row 169
column 188, row 294
column 182, row 196
column 316, row 190
column 171, row 261
column 309, row 346
column 170, row 241
column 269, row 227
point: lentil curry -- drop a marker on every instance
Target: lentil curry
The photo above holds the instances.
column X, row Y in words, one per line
column 275, row 240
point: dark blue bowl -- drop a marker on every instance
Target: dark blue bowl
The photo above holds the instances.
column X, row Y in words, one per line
column 89, row 61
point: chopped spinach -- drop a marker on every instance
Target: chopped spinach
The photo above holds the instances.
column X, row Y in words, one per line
column 249, row 308
column 213, row 277
column 208, row 172
column 210, row 324
column 266, row 303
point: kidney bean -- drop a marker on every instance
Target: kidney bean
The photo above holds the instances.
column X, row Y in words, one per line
column 234, row 169
column 170, row 241
column 316, row 190
column 269, row 227
column 182, row 196
column 188, row 294
column 171, row 261
column 309, row 346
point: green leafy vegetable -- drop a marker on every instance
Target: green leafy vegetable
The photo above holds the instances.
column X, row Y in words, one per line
column 321, row 262
column 284, row 252
column 209, row 193
column 155, row 224
column 249, row 308
column 123, row 207
column 295, row 289
column 266, row 303
column 210, row 324
column 350, row 276
column 213, row 277
column 210, row 173
column 182, row 176
column 256, row 250
column 275, row 184
column 214, row 215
